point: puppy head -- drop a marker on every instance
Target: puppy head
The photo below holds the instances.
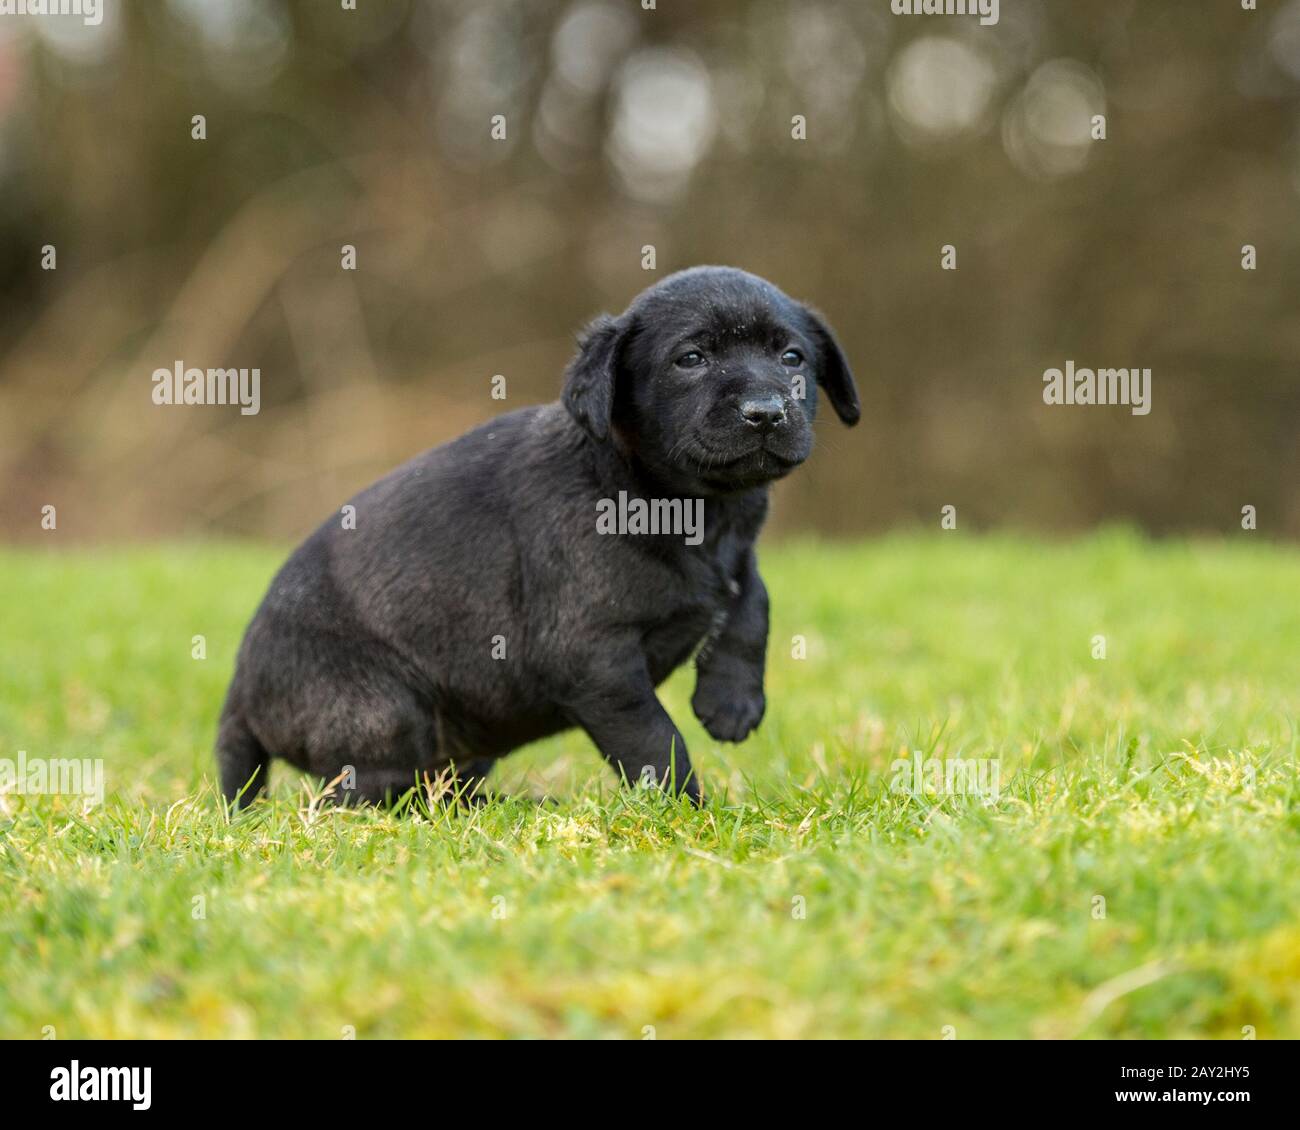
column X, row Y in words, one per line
column 710, row 378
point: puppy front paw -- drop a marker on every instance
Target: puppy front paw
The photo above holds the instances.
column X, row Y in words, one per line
column 729, row 712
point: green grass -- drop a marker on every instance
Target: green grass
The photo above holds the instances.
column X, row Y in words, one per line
column 1161, row 779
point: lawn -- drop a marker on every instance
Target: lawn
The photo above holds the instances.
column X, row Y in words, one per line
column 1137, row 875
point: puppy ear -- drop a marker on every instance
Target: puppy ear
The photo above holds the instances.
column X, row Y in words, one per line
column 589, row 380
column 833, row 372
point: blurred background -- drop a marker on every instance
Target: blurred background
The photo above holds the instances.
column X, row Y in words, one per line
column 626, row 129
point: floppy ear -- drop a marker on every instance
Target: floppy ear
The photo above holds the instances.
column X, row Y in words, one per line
column 589, row 380
column 833, row 372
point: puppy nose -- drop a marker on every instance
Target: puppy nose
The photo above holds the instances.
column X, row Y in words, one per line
column 763, row 412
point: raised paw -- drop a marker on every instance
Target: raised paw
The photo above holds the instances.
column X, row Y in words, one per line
column 729, row 712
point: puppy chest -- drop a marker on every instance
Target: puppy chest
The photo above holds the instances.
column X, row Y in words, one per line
column 669, row 642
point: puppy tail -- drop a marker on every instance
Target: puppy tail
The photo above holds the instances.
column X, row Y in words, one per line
column 242, row 762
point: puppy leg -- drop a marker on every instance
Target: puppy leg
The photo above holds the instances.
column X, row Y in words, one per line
column 728, row 697
column 471, row 780
column 242, row 763
column 363, row 722
column 384, row 787
column 377, row 785
column 633, row 732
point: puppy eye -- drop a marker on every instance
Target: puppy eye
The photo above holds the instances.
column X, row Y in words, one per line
column 691, row 360
column 792, row 357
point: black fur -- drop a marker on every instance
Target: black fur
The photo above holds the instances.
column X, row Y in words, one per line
column 374, row 647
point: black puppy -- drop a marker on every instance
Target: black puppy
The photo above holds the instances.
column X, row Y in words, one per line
column 475, row 604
